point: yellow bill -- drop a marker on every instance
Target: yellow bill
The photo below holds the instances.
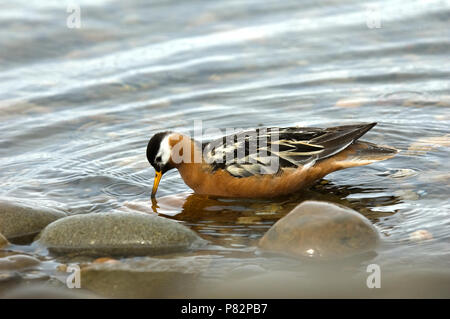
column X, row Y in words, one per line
column 158, row 176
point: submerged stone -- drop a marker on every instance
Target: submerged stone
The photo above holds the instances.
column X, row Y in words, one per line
column 420, row 235
column 321, row 230
column 8, row 280
column 37, row 290
column 18, row 220
column 118, row 233
column 144, row 277
column 14, row 262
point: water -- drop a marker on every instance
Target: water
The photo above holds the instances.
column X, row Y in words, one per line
column 77, row 107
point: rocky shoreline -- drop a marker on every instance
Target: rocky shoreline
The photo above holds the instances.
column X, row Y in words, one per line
column 313, row 230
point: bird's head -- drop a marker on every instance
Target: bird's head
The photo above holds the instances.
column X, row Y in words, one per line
column 159, row 150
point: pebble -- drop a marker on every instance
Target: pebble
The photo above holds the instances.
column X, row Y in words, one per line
column 15, row 262
column 106, row 260
column 420, row 235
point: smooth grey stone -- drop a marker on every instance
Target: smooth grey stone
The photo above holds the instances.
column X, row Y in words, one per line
column 117, row 233
column 22, row 219
column 321, row 230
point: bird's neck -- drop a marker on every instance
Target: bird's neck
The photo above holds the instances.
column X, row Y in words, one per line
column 187, row 158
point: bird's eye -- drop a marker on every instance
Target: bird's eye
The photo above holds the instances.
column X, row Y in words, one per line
column 158, row 159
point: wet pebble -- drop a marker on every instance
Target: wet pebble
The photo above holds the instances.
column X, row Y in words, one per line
column 321, row 230
column 106, row 260
column 250, row 220
column 118, row 233
column 420, row 235
column 61, row 268
column 15, row 262
column 17, row 220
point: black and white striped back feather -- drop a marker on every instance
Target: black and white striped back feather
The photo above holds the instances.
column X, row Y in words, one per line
column 254, row 152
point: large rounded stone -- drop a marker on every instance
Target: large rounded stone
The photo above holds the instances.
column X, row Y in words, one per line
column 18, row 220
column 117, row 233
column 321, row 229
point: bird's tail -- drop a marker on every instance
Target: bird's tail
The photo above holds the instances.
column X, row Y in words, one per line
column 362, row 153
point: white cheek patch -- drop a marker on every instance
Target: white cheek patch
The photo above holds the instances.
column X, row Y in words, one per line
column 164, row 150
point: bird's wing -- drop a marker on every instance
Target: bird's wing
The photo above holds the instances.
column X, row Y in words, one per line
column 270, row 150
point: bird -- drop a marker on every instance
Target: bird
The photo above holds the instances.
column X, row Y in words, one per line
column 262, row 162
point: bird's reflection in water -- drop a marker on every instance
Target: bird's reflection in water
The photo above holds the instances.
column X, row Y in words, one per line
column 241, row 222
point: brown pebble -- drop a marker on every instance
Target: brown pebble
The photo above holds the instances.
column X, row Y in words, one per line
column 248, row 220
column 17, row 262
column 61, row 268
column 420, row 235
column 106, row 260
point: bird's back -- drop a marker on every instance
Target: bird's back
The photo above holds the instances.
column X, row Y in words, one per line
column 270, row 151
